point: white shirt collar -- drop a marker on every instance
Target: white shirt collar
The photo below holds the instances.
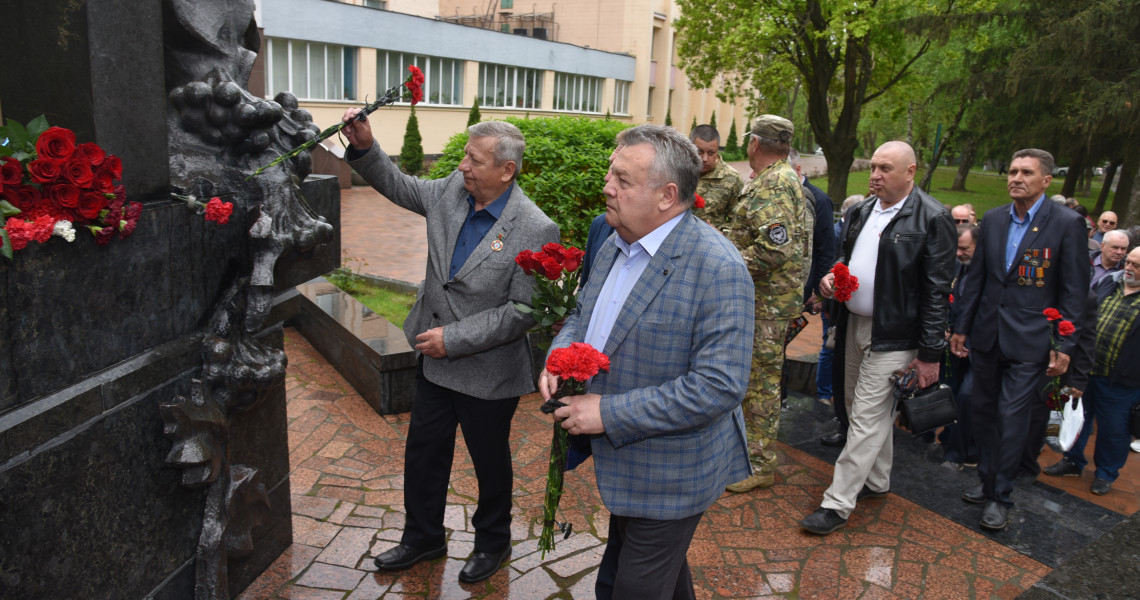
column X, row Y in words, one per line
column 651, row 241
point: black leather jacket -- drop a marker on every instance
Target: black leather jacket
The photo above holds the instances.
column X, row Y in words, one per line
column 912, row 275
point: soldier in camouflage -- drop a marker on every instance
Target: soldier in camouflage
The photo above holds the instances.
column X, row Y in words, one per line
column 720, row 184
column 771, row 225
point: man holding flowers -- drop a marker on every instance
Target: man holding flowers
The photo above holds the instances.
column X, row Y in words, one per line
column 670, row 301
column 469, row 334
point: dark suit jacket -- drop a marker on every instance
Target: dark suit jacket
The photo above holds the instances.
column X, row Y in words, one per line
column 823, row 239
column 599, row 232
column 997, row 312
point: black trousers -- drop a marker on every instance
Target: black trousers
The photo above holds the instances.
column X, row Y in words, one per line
column 650, row 559
column 1006, row 396
column 427, row 464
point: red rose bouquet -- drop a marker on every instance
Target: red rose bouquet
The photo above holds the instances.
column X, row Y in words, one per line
column 1055, row 395
column 574, row 366
column 555, row 271
column 49, row 184
column 845, row 282
column 412, row 86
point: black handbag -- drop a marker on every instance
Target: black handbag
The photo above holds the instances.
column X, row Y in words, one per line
column 922, row 410
column 1134, row 420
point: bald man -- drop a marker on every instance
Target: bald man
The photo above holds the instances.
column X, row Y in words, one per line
column 1105, row 224
column 900, row 243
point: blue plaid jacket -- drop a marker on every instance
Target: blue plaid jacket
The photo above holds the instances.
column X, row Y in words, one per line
column 680, row 354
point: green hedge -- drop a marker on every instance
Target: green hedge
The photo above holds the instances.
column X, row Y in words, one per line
column 563, row 170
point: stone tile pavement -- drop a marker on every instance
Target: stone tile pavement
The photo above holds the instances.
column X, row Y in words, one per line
column 347, row 477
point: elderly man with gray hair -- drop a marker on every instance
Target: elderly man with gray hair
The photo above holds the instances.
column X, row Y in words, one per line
column 1110, row 258
column 469, row 335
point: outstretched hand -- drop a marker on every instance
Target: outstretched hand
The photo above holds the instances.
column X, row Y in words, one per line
column 358, row 132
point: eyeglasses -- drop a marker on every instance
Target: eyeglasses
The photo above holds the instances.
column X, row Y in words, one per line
column 961, row 221
column 1107, row 222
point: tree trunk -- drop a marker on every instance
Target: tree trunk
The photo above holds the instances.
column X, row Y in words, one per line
column 1086, row 181
column 1069, row 189
column 964, row 165
column 950, row 131
column 1109, row 176
column 1123, row 194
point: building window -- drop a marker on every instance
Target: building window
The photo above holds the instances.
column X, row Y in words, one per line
column 509, row 87
column 621, row 97
column 381, row 4
column 443, row 77
column 508, row 4
column 577, row 93
column 311, row 70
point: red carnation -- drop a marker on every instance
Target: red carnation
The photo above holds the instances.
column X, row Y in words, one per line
column 64, row 194
column 551, row 268
column 45, row 170
column 415, row 84
column 131, row 219
column 572, row 259
column 18, row 233
column 57, row 143
column 79, row 172
column 219, row 211
column 698, row 201
column 845, row 282
column 578, row 361
column 1066, row 328
column 42, row 228
column 951, row 298
column 1053, row 314
column 92, row 152
column 12, row 172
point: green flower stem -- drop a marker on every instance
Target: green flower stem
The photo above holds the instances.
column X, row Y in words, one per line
column 557, row 468
column 393, row 94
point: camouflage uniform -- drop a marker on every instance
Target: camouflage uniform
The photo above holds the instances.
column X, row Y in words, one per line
column 720, row 188
column 771, row 225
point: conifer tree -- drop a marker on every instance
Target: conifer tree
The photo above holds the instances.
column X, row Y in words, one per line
column 694, row 125
column 474, row 117
column 669, row 117
column 712, row 122
column 731, row 146
column 412, row 153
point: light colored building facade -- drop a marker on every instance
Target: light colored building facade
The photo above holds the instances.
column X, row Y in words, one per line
column 597, row 58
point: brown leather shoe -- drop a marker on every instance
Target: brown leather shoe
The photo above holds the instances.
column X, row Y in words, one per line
column 756, row 480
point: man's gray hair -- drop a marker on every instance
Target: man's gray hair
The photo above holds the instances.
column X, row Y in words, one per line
column 1043, row 158
column 510, row 142
column 1120, row 233
column 972, row 228
column 851, row 201
column 1059, row 199
column 675, row 158
column 793, row 157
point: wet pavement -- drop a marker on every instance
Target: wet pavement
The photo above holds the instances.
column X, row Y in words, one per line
column 917, row 542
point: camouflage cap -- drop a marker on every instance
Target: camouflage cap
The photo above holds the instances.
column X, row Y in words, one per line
column 773, row 127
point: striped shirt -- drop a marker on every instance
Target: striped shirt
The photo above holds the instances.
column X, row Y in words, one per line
column 1117, row 314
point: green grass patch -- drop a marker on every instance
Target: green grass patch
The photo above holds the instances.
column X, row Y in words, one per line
column 393, row 306
column 985, row 190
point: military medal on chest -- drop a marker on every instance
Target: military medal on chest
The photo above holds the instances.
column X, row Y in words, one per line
column 497, row 243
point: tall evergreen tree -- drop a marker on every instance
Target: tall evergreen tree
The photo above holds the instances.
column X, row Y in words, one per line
column 694, row 125
column 474, row 117
column 731, row 145
column 412, row 153
column 712, row 122
column 669, row 117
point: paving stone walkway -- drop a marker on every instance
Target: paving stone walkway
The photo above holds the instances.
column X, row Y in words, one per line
column 347, row 477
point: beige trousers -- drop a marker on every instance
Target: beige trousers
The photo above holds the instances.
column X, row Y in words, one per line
column 867, row 456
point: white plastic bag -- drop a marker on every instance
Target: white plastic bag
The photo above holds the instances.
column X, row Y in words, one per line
column 1071, row 424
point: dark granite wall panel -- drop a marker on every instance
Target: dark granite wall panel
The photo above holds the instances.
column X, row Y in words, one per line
column 101, row 505
column 322, row 193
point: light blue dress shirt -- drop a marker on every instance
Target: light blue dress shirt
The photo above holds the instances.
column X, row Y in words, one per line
column 1017, row 229
column 628, row 267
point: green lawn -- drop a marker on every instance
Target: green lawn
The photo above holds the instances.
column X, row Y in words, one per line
column 985, row 190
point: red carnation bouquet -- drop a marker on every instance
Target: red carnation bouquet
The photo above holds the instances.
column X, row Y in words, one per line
column 574, row 366
column 1055, row 395
column 412, row 86
column 49, row 184
column 215, row 210
column 845, row 282
column 555, row 271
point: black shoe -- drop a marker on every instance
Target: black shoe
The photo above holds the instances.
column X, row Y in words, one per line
column 995, row 516
column 867, row 492
column 1063, row 468
column 1100, row 486
column 1024, row 478
column 823, row 521
column 404, row 556
column 835, row 440
column 974, row 495
column 482, row 565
